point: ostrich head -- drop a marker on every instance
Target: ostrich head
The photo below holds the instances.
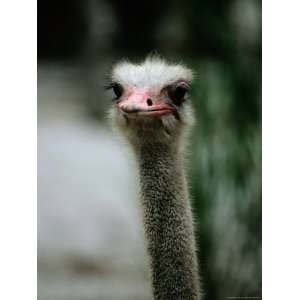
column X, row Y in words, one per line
column 151, row 102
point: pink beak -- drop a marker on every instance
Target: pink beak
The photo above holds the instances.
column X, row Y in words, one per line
column 141, row 103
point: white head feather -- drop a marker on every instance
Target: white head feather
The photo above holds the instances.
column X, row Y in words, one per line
column 154, row 72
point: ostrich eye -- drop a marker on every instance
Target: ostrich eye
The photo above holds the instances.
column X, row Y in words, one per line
column 177, row 93
column 118, row 90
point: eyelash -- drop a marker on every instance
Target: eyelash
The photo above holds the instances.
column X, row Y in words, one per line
column 117, row 88
column 109, row 86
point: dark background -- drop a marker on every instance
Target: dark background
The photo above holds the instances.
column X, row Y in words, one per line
column 220, row 40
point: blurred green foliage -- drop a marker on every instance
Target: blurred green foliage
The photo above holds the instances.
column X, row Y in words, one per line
column 225, row 176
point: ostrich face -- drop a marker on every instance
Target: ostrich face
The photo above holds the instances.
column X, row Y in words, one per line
column 151, row 99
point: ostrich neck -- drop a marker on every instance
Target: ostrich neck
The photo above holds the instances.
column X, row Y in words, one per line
column 168, row 223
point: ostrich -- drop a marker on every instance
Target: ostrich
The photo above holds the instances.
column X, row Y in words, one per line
column 151, row 108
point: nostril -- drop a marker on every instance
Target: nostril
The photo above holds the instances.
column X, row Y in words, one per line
column 149, row 102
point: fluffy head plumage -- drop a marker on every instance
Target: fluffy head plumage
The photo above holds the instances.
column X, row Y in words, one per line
column 153, row 72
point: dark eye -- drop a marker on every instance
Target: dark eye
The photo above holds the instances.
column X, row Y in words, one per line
column 118, row 90
column 177, row 93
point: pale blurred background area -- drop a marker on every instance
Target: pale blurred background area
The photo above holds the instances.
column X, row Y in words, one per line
column 90, row 236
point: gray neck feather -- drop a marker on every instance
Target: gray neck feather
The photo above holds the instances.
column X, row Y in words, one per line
column 168, row 223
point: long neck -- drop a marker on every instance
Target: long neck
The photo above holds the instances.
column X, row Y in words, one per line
column 168, row 223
